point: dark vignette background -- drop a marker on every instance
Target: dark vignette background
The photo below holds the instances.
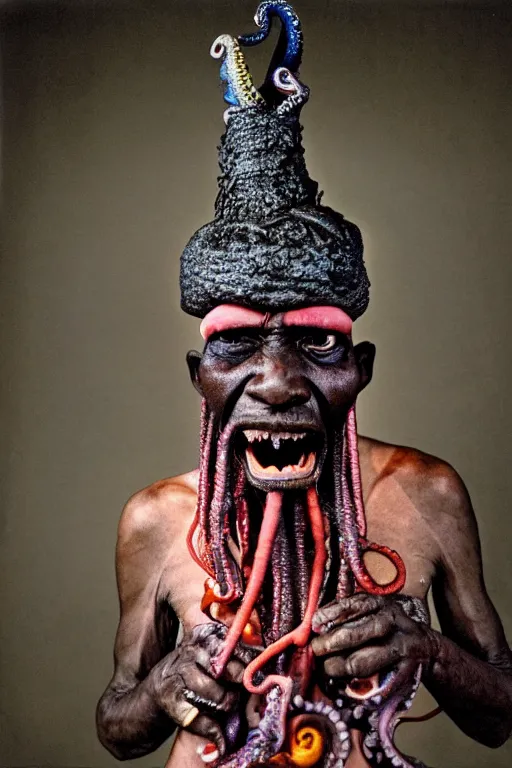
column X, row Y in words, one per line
column 111, row 118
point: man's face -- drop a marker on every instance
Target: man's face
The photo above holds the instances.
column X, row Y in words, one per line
column 285, row 390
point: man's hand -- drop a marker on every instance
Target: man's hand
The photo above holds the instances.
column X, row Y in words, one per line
column 361, row 635
column 183, row 686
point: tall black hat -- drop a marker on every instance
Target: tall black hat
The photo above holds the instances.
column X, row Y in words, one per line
column 272, row 246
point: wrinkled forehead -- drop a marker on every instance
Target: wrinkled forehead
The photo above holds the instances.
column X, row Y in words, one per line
column 228, row 317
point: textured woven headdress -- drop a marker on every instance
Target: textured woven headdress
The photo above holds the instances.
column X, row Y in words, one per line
column 271, row 246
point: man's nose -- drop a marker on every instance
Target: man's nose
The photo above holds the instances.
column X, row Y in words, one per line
column 278, row 386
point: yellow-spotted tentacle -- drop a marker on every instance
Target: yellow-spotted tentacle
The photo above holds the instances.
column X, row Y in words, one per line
column 240, row 90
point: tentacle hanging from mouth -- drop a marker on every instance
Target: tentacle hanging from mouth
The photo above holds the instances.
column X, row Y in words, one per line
column 242, row 517
column 262, row 555
column 277, row 583
column 354, row 521
column 216, row 524
column 283, row 602
column 302, row 576
column 341, row 500
column 301, row 634
column 203, row 495
column 355, row 470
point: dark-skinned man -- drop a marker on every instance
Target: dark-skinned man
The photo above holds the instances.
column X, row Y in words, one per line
column 298, row 558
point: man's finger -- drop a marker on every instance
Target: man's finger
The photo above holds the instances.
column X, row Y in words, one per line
column 204, row 692
column 234, row 671
column 347, row 637
column 182, row 712
column 335, row 666
column 209, row 729
column 368, row 661
column 347, row 609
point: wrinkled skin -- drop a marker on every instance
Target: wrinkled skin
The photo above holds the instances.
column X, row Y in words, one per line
column 282, row 378
column 364, row 634
column 414, row 503
column 183, row 679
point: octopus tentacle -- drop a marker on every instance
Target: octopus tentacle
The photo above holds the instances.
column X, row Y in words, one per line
column 288, row 50
column 355, row 470
column 301, row 634
column 302, row 579
column 200, row 518
column 266, row 538
column 277, row 581
column 354, row 526
column 389, row 715
column 240, row 90
column 286, row 83
column 223, row 562
column 341, row 499
column 264, row 741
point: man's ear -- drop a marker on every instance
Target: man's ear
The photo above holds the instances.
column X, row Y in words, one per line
column 193, row 360
column 365, row 357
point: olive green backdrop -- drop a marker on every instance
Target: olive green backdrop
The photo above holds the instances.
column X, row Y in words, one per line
column 112, row 113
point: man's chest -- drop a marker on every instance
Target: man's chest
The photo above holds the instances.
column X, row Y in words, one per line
column 392, row 521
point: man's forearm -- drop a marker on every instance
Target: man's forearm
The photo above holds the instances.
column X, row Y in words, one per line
column 130, row 723
column 475, row 694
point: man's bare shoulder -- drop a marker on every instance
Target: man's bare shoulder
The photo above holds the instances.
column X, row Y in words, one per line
column 431, row 483
column 159, row 510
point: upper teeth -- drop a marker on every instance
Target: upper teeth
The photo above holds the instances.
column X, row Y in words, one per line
column 276, row 437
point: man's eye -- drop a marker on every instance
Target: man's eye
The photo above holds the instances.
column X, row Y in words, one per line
column 320, row 343
column 233, row 338
column 234, row 344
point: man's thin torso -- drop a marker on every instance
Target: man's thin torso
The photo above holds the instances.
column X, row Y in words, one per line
column 398, row 515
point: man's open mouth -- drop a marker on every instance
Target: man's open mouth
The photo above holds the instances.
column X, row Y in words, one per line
column 281, row 456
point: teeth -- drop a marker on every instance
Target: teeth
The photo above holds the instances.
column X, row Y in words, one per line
column 258, row 434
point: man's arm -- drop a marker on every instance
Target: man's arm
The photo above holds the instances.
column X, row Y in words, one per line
column 470, row 674
column 155, row 686
column 129, row 720
column 468, row 668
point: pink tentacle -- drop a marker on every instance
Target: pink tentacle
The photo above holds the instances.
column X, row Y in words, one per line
column 269, row 524
column 354, row 543
column 221, row 559
column 301, row 634
column 200, row 518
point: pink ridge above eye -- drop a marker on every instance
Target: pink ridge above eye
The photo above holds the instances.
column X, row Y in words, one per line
column 327, row 318
column 227, row 317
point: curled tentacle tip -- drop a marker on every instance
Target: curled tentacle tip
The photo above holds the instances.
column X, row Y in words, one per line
column 219, row 46
column 285, row 81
